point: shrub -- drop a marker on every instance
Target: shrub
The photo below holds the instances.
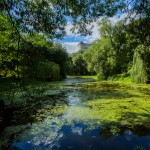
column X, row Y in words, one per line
column 48, row 71
column 100, row 77
column 120, row 77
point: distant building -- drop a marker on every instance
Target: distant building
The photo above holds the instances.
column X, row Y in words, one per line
column 83, row 45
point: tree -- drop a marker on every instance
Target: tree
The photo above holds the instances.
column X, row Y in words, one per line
column 77, row 64
column 139, row 30
column 38, row 52
column 109, row 55
column 98, row 57
column 50, row 16
column 141, row 64
column 121, row 48
column 8, row 47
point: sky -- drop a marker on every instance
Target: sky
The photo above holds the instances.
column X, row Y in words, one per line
column 71, row 41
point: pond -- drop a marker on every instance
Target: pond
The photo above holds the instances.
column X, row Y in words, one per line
column 81, row 114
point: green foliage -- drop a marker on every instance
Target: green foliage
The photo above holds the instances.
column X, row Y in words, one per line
column 139, row 30
column 109, row 55
column 113, row 53
column 77, row 65
column 100, row 77
column 97, row 57
column 50, row 16
column 120, row 77
column 60, row 56
column 8, row 47
column 140, row 63
column 48, row 71
column 34, row 50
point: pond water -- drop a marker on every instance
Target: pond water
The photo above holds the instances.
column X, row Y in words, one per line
column 71, row 116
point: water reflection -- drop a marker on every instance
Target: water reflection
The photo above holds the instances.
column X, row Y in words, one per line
column 81, row 119
column 77, row 130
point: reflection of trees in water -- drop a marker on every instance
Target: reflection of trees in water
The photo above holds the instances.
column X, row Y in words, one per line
column 106, row 131
column 51, row 130
column 40, row 108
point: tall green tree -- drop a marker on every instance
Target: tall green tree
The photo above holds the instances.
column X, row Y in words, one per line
column 8, row 46
column 141, row 64
column 77, row 64
column 38, row 50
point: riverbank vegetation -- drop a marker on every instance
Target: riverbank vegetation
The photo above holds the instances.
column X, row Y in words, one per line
column 122, row 53
column 28, row 49
column 37, row 57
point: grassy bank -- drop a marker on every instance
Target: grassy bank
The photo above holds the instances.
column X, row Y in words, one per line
column 118, row 77
column 93, row 77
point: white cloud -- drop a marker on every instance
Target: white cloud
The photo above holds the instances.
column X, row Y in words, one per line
column 129, row 7
column 95, row 31
column 68, row 30
column 71, row 47
column 77, row 130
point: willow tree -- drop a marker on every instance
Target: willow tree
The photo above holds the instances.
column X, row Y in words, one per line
column 141, row 63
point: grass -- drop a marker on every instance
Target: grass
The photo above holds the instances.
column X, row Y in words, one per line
column 87, row 77
column 94, row 77
column 119, row 77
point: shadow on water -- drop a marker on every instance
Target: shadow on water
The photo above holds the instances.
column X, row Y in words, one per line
column 106, row 131
column 78, row 115
column 103, row 94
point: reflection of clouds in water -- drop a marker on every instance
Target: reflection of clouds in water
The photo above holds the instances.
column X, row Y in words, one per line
column 77, row 130
column 45, row 137
column 47, row 134
column 128, row 135
column 73, row 109
column 55, row 144
column 78, row 114
column 73, row 100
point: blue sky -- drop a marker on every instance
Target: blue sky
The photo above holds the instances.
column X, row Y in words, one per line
column 70, row 42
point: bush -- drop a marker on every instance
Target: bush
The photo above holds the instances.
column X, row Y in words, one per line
column 100, row 77
column 48, row 71
column 120, row 77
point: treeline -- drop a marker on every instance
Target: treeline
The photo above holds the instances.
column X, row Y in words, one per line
column 77, row 65
column 29, row 55
column 122, row 51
